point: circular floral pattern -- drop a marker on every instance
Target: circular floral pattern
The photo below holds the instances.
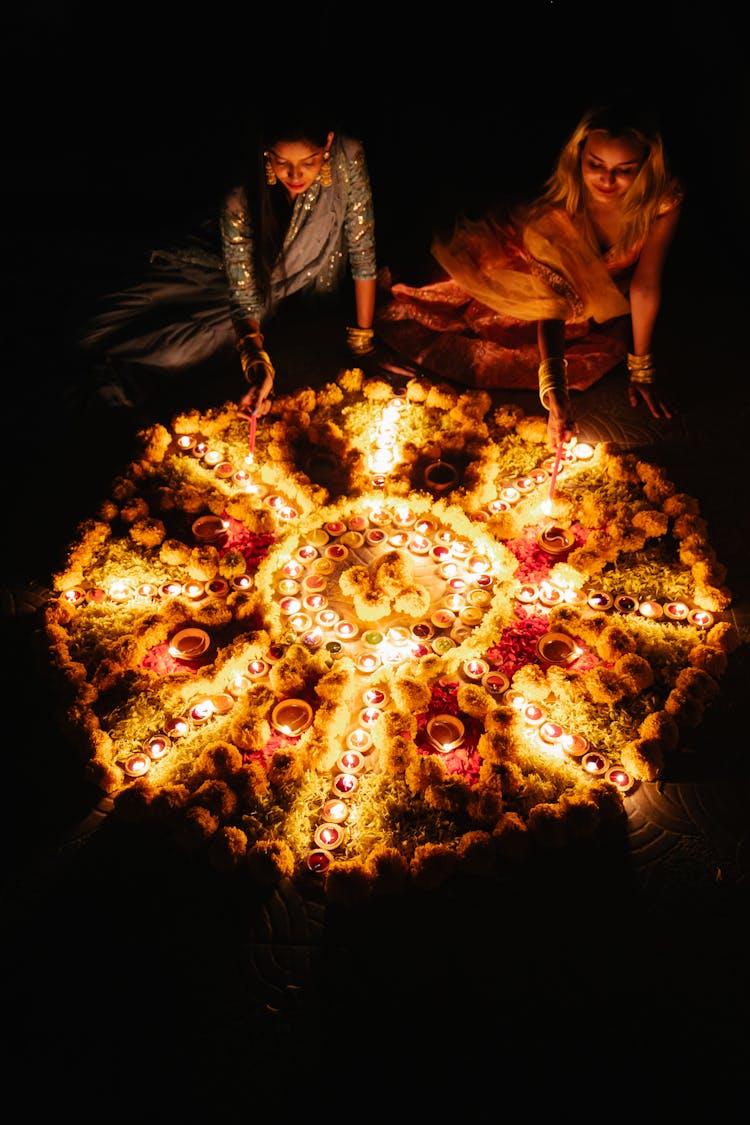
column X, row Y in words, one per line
column 323, row 657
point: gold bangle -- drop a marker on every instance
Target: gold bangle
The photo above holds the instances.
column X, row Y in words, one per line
column 360, row 340
column 261, row 359
column 553, row 376
column 641, row 368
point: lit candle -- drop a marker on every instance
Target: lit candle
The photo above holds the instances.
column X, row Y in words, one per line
column 120, row 591
column 557, row 648
column 457, row 585
column 327, row 618
column 136, row 765
column 525, row 485
column 335, row 810
column 251, row 438
column 352, row 761
column 425, row 527
column 496, row 506
column 650, row 609
column 319, row 861
column 400, row 540
column 574, row 745
column 404, row 516
column 620, row 778
column 449, row 569
column 346, row 630
column 533, row 714
column 700, row 617
column 194, row 590
column 478, row 564
column 148, row 590
column 375, row 536
column 189, row 644
column 201, row 712
column 582, row 451
column 367, row 662
column 177, row 727
column 286, row 513
column 292, row 716
column 481, row 598
column 676, row 611
column 238, row 685
column 75, row 595
column 600, row 600
column 307, row 553
column 495, row 682
column 539, row 476
column 290, row 606
column 313, row 640
column 288, row 587
column 224, row 470
column 454, row 602
column 186, row 441
column 445, row 732
column 315, row 602
column 549, row 595
column 373, row 697
column 345, row 784
column 475, row 669
column 157, row 747
column 292, row 569
column 595, row 763
column 199, row 449
column 550, row 732
column 357, row 739
column 301, row 622
column 213, row 457
column 242, row 581
column 509, row 494
column 460, row 548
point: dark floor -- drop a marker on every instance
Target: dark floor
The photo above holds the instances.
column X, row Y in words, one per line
column 139, row 983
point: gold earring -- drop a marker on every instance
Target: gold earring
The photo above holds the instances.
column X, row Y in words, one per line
column 325, row 171
column 270, row 174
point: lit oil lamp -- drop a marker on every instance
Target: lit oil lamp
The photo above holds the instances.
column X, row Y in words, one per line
column 318, row 861
column 242, row 582
column 136, row 765
column 95, row 594
column 445, row 732
column 185, row 442
column 650, row 609
column 326, row 618
column 375, row 536
column 555, row 540
column 292, row 717
column 598, row 599
column 475, row 669
column 210, row 529
column 574, row 745
column 533, row 714
column 335, row 810
column 177, row 727
column 496, row 683
column 290, row 605
column 346, row 630
column 367, row 662
column 345, row 784
column 301, row 623
column 620, row 778
column 292, row 569
column 307, row 552
column 157, row 747
column 287, row 587
column 359, row 740
column 373, row 697
column 120, row 591
column 676, row 611
column 315, row 602
column 700, row 617
column 352, row 760
column 224, row 470
column 75, row 595
column 557, row 648
column 550, row 732
column 595, row 763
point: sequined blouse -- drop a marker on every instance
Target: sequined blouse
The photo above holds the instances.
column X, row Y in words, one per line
column 329, row 227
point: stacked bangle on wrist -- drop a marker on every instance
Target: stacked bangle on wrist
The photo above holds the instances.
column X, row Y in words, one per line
column 360, row 340
column 641, row 368
column 553, row 376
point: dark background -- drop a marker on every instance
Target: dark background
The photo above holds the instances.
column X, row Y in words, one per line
column 122, row 124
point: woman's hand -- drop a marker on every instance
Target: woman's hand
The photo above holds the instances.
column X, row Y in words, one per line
column 649, row 392
column 560, row 424
column 257, row 398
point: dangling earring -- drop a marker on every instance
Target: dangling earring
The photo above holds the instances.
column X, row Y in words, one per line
column 270, row 174
column 325, row 171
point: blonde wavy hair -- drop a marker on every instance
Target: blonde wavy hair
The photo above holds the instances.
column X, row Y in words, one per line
column 652, row 187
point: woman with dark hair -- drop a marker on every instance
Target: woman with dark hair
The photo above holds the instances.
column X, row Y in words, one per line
column 291, row 231
column 290, row 234
column 561, row 290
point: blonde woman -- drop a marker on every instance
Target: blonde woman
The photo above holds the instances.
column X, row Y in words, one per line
column 562, row 290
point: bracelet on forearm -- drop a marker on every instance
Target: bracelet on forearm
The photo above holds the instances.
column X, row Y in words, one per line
column 553, row 376
column 260, row 360
column 360, row 340
column 641, row 368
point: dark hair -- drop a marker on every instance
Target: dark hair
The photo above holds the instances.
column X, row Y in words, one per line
column 269, row 206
